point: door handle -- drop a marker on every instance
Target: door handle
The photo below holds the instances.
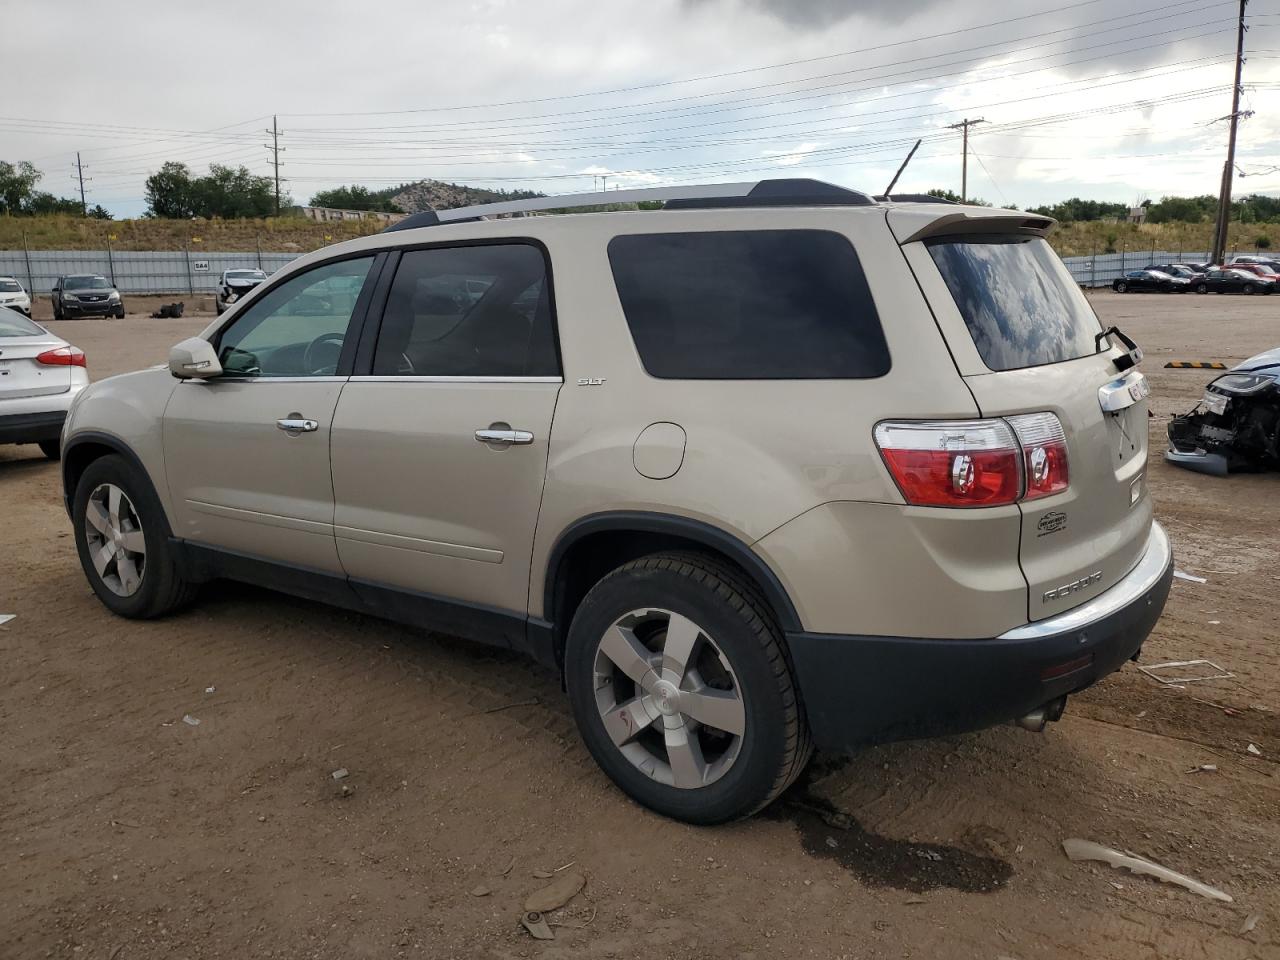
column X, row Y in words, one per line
column 490, row 435
column 297, row 424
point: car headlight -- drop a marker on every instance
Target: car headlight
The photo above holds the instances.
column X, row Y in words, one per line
column 1240, row 383
column 69, row 296
column 115, row 297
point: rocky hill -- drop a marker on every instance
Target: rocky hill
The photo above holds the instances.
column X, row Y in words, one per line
column 438, row 195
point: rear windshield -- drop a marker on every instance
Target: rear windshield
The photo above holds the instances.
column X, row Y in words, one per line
column 14, row 324
column 1019, row 302
column 748, row 305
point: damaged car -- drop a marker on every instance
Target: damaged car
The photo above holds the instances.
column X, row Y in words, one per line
column 1236, row 426
column 234, row 284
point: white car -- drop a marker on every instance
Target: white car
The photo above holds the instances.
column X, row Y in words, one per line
column 234, row 284
column 40, row 375
column 13, row 296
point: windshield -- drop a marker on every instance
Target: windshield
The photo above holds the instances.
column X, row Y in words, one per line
column 87, row 283
column 10, row 286
column 14, row 324
column 246, row 275
column 1019, row 302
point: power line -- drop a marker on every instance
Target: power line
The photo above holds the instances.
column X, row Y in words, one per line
column 275, row 149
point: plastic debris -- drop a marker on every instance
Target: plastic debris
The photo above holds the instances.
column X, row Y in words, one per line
column 210, row 689
column 537, row 926
column 1155, row 669
column 543, row 874
column 190, row 721
column 1204, row 768
column 1250, row 922
column 1077, row 849
column 555, row 894
column 1253, row 748
column 6, row 617
column 1190, row 577
column 339, row 774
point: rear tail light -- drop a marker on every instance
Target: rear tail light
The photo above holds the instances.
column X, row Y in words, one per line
column 975, row 463
column 62, row 357
column 1044, row 453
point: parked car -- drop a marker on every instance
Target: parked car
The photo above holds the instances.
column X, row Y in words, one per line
column 1150, row 280
column 1175, row 270
column 40, row 375
column 1258, row 270
column 14, row 296
column 1231, row 280
column 234, row 284
column 778, row 466
column 1240, row 261
column 86, row 295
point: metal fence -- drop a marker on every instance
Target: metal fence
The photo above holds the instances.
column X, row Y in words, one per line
column 192, row 272
column 137, row 272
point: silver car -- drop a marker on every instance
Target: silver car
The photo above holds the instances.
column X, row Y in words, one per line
column 40, row 374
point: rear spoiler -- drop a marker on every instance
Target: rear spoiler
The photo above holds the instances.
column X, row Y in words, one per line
column 910, row 222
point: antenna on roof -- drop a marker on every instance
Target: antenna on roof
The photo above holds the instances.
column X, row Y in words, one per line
column 889, row 189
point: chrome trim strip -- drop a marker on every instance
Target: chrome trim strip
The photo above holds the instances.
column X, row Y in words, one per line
column 1138, row 581
column 266, row 519
column 438, row 548
column 407, row 379
column 226, row 379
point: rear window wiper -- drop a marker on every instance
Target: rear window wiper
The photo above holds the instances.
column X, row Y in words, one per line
column 1132, row 355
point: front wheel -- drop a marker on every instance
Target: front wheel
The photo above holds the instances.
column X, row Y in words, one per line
column 1202, row 288
column 57, row 311
column 681, row 689
column 1249, row 289
column 1120, row 286
column 123, row 542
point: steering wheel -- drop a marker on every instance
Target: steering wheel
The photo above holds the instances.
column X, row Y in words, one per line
column 309, row 357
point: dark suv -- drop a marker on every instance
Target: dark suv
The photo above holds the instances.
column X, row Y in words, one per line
column 86, row 295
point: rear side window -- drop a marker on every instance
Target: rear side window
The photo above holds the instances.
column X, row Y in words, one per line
column 748, row 305
column 1019, row 302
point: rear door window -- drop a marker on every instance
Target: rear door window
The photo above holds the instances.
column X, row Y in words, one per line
column 748, row 305
column 1018, row 300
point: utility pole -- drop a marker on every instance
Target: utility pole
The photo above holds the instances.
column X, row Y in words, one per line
column 1224, row 197
column 275, row 149
column 964, row 126
column 84, row 207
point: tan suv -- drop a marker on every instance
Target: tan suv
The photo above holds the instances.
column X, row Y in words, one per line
column 779, row 465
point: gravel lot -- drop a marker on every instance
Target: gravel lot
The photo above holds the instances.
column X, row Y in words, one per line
column 126, row 833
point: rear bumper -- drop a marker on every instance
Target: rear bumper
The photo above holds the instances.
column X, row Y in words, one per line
column 32, row 427
column 861, row 689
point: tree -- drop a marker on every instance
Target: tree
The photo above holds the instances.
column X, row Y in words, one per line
column 954, row 197
column 99, row 212
column 17, row 182
column 1069, row 211
column 1183, row 209
column 228, row 192
column 43, row 203
column 356, row 197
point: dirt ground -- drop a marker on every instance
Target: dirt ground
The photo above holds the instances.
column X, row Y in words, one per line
column 126, row 833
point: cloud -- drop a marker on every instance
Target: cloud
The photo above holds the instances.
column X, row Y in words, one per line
column 821, row 14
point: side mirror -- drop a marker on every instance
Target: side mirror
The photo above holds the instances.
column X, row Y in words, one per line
column 194, row 359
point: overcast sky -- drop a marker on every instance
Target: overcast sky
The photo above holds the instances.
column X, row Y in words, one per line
column 1108, row 99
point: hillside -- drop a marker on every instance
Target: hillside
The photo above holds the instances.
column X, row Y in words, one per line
column 438, row 195
column 297, row 235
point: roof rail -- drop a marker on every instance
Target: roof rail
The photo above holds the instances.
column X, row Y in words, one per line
column 754, row 193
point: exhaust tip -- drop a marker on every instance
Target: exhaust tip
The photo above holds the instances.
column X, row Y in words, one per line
column 1041, row 717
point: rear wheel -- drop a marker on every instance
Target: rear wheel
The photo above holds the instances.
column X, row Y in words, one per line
column 123, row 541
column 51, row 449
column 682, row 691
column 1202, row 288
column 1250, row 289
column 1120, row 286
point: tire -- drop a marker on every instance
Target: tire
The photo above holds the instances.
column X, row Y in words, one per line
column 120, row 314
column 158, row 588
column 57, row 311
column 735, row 650
column 1120, row 286
column 1248, row 289
column 1202, row 288
column 51, row 449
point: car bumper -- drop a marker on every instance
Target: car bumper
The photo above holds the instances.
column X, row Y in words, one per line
column 861, row 689
column 91, row 309
column 22, row 308
column 32, row 427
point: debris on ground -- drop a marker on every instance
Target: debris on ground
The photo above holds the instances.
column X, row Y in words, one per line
column 1234, row 426
column 169, row 311
column 1077, row 849
column 6, row 617
column 1154, row 672
column 340, row 774
column 1250, row 922
column 555, row 894
column 1253, row 748
column 480, row 891
column 1189, row 577
column 537, row 926
column 190, row 721
column 1204, row 768
column 509, row 867
column 543, row 874
column 210, row 689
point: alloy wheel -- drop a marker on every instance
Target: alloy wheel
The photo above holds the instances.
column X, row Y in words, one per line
column 668, row 698
column 113, row 533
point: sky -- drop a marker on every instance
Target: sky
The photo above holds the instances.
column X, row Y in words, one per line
column 1118, row 100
